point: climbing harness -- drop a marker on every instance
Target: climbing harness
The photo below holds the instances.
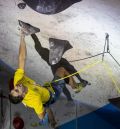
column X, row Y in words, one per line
column 49, row 86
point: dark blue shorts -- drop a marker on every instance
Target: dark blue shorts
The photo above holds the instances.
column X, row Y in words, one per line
column 58, row 88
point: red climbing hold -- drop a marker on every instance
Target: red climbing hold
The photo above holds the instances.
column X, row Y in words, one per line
column 18, row 123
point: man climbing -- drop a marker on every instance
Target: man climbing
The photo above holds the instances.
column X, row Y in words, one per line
column 34, row 95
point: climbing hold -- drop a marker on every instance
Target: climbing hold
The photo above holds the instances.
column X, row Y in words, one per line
column 57, row 49
column 34, row 124
column 21, row 5
column 18, row 123
column 50, row 6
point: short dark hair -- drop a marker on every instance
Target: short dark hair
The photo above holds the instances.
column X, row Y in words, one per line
column 15, row 100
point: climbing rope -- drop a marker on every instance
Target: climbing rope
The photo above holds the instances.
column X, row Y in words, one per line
column 103, row 53
column 78, row 72
column 110, row 73
column 106, row 66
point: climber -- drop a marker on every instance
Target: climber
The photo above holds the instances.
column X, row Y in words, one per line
column 32, row 94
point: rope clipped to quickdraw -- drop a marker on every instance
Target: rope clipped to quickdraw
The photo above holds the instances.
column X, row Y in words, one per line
column 106, row 44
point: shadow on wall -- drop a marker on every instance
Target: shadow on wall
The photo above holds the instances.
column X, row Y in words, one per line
column 6, row 73
column 44, row 53
column 50, row 6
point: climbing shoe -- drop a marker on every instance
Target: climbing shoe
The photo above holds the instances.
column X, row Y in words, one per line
column 85, row 83
column 27, row 28
column 79, row 87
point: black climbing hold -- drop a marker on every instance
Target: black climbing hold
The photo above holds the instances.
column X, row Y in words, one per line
column 50, row 6
column 21, row 5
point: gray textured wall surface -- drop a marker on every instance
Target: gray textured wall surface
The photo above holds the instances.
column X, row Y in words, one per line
column 84, row 25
